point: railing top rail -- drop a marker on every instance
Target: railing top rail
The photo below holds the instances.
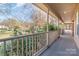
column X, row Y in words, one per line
column 20, row 36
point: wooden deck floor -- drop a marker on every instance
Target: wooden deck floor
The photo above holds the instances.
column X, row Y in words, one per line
column 64, row 46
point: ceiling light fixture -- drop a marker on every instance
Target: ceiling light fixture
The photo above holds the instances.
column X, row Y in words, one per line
column 65, row 12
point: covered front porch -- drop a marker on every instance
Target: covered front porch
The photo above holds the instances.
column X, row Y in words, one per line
column 53, row 41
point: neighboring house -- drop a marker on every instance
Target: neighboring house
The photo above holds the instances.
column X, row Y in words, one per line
column 3, row 27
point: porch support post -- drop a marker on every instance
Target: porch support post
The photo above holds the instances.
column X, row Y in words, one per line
column 73, row 28
column 47, row 37
column 58, row 26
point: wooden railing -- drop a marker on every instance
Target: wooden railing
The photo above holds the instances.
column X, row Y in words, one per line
column 23, row 45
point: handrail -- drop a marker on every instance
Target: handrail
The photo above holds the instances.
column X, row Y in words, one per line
column 27, row 45
column 24, row 45
column 20, row 36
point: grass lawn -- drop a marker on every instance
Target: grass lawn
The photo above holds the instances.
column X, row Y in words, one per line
column 6, row 34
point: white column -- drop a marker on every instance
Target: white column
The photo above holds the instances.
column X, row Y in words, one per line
column 76, row 37
column 47, row 27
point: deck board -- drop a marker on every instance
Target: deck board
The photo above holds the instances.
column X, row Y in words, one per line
column 64, row 46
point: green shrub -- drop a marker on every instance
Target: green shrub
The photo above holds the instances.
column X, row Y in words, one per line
column 51, row 27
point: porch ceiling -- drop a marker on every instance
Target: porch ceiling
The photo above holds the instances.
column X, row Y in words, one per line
column 64, row 11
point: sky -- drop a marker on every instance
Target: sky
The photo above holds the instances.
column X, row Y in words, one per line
column 20, row 11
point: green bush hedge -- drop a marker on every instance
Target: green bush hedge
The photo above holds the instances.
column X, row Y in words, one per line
column 51, row 27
